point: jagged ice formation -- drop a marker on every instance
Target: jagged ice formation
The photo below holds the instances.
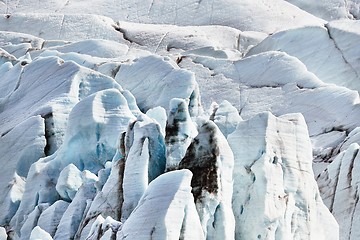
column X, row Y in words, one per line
column 179, row 120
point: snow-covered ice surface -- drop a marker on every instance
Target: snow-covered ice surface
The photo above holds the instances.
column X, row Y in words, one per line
column 189, row 12
column 274, row 183
column 185, row 119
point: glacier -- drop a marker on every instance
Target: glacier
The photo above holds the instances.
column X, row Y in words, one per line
column 271, row 161
column 179, row 120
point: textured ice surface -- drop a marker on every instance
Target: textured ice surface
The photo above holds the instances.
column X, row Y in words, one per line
column 39, row 233
column 165, row 211
column 72, row 163
column 147, row 74
column 211, row 161
column 339, row 185
column 315, row 45
column 274, row 184
column 180, row 130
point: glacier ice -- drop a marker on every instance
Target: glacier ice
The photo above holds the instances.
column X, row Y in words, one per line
column 111, row 193
column 71, row 179
column 104, row 228
column 159, row 115
column 3, row 235
column 73, row 83
column 82, row 160
column 21, row 147
column 61, row 26
column 328, row 10
column 50, row 218
column 271, row 160
column 38, row 233
column 31, row 221
column 90, row 140
column 159, row 73
column 339, row 185
column 226, row 117
column 96, row 48
column 312, row 46
column 211, row 161
column 75, row 212
column 165, row 211
column 280, row 14
column 144, row 161
column 352, row 137
column 180, row 130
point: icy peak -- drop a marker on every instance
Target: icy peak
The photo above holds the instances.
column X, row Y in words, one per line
column 273, row 159
column 211, row 161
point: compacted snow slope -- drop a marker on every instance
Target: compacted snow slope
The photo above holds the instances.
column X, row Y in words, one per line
column 179, row 120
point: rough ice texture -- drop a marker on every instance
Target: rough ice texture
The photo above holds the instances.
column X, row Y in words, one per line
column 313, row 46
column 226, row 117
column 275, row 194
column 69, row 182
column 211, row 161
column 3, row 235
column 280, row 14
column 75, row 212
column 104, row 229
column 20, row 147
column 339, row 185
column 144, row 76
column 111, row 194
column 39, row 233
column 50, row 218
column 145, row 160
column 61, row 26
column 352, row 137
column 345, row 33
column 45, row 75
column 48, row 87
column 31, row 220
column 94, row 126
column 165, row 211
column 180, row 130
